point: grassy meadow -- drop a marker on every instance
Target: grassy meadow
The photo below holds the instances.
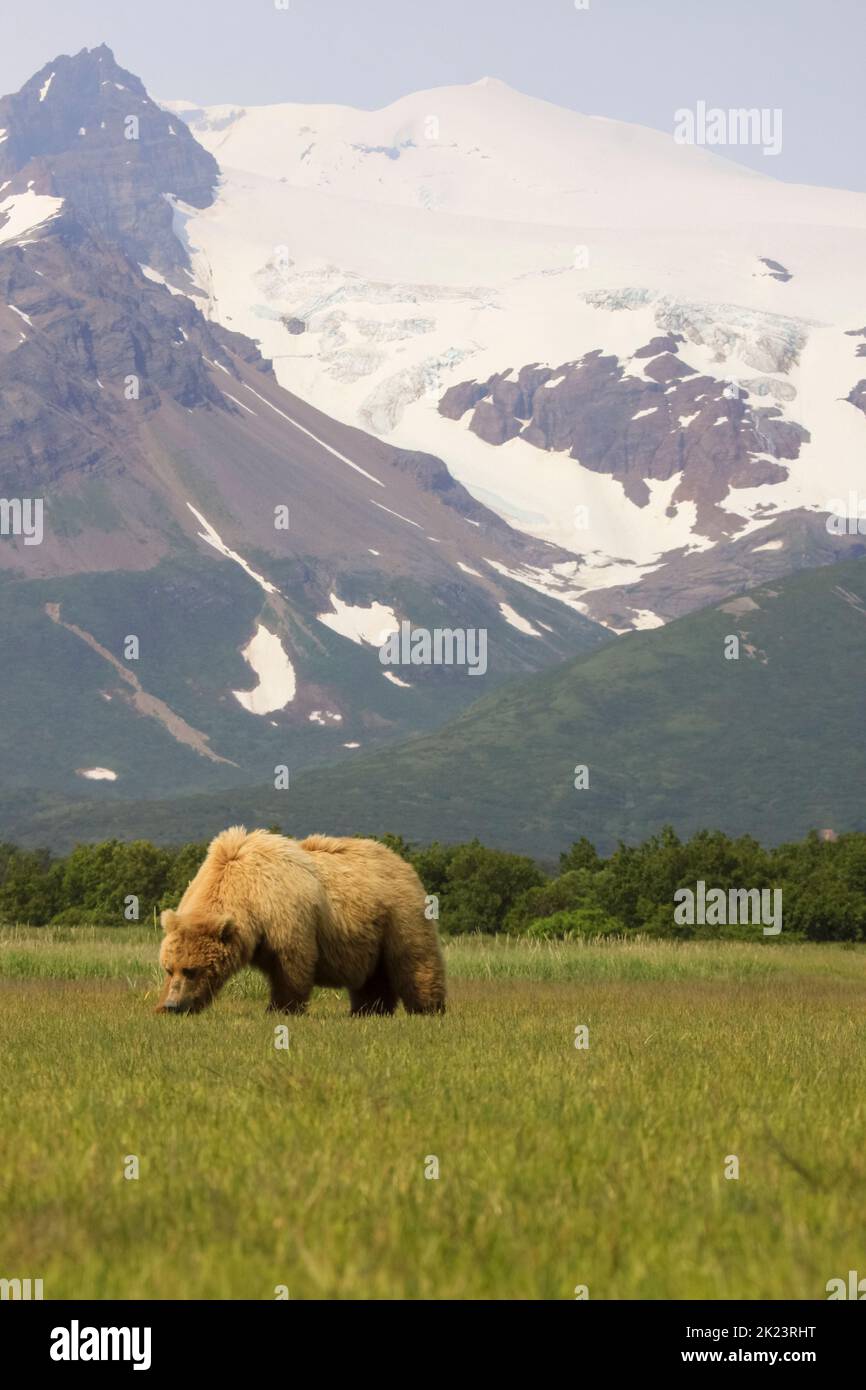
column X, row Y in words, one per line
column 305, row 1167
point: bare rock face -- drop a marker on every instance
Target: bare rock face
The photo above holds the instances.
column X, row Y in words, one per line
column 85, row 130
column 657, row 345
column 857, row 396
column 458, row 399
column 494, row 424
column 858, row 333
column 101, row 348
column 90, row 345
column 668, row 420
column 775, row 270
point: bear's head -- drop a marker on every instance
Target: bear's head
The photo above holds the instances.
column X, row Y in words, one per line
column 199, row 952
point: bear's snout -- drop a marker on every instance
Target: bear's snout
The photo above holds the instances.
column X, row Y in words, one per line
column 181, row 1005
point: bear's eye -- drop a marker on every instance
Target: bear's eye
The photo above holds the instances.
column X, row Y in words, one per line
column 190, row 974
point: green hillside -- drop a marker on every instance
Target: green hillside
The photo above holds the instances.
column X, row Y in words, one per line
column 65, row 707
column 772, row 743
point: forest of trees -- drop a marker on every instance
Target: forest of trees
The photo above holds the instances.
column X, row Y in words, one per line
column 477, row 889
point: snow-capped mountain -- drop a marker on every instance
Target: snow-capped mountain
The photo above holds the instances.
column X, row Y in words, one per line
column 256, row 549
column 285, row 379
column 632, row 348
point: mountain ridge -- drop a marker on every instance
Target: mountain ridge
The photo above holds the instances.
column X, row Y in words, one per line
column 668, row 730
column 163, row 445
column 493, row 236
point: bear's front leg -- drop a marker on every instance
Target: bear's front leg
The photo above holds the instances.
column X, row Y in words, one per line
column 289, row 995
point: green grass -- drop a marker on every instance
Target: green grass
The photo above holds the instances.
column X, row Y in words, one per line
column 558, row 1167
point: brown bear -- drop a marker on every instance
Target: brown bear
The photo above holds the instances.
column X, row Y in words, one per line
column 343, row 913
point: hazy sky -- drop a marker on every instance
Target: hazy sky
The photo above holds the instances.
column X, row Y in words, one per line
column 635, row 60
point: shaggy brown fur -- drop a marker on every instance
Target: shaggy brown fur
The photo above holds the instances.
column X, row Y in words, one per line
column 338, row 912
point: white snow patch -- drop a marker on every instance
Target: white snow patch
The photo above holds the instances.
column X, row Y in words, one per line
column 515, row 620
column 26, row 211
column 230, row 397
column 158, row 279
column 277, row 684
column 351, row 745
column 395, row 680
column 770, row 545
column 97, row 774
column 21, row 314
column 372, row 625
column 641, row 413
column 644, row 618
column 398, row 515
column 467, row 569
column 213, row 538
column 373, row 552
column 43, row 90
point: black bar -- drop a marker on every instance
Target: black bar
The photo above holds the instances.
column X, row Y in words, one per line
column 193, row 1339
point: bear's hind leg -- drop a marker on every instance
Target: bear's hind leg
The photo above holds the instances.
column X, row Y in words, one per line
column 418, row 975
column 376, row 995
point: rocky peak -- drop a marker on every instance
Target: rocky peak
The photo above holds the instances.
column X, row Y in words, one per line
column 84, row 129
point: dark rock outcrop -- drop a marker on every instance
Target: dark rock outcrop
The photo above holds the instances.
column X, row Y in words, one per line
column 777, row 271
column 857, row 396
column 85, row 130
column 858, row 333
column 657, row 345
column 668, row 420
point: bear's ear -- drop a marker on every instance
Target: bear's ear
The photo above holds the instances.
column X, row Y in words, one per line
column 168, row 920
column 226, row 930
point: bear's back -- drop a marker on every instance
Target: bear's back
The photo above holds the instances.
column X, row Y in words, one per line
column 247, row 873
column 365, row 871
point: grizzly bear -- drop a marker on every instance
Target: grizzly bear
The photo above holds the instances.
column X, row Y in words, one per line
column 343, row 913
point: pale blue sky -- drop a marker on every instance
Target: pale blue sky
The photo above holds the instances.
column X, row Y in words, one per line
column 635, row 60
